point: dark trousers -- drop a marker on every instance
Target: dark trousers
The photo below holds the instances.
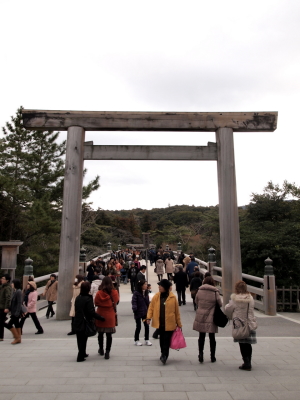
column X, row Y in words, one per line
column 170, row 276
column 14, row 321
column 164, row 341
column 50, row 308
column 138, row 328
column 2, row 321
column 246, row 350
column 108, row 341
column 212, row 342
column 34, row 319
column 132, row 284
column 181, row 293
column 81, row 344
column 159, row 277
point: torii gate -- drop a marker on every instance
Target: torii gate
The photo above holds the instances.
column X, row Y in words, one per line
column 77, row 122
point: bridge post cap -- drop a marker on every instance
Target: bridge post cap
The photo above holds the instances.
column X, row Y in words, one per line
column 269, row 270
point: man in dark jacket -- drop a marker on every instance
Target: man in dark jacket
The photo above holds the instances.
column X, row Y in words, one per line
column 181, row 282
column 142, row 274
column 5, row 298
column 132, row 276
column 191, row 267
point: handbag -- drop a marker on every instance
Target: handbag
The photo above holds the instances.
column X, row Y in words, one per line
column 155, row 269
column 90, row 328
column 177, row 340
column 23, row 309
column 220, row 318
column 115, row 310
column 240, row 328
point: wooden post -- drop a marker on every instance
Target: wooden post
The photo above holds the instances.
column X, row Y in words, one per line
column 228, row 212
column 71, row 220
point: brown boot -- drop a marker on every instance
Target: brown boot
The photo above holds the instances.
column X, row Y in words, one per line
column 17, row 335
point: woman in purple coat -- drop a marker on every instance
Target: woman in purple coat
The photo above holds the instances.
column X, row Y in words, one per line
column 140, row 303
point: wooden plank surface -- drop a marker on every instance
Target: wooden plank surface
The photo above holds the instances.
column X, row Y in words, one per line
column 150, row 121
column 175, row 153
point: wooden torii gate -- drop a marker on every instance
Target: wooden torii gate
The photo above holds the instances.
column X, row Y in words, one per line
column 77, row 122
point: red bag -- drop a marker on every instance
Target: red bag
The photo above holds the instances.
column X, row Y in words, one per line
column 177, row 340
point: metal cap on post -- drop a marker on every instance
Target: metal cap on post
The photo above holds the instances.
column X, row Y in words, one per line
column 211, row 259
column 28, row 271
column 270, row 295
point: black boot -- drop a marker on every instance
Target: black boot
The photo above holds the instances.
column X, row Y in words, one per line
column 201, row 342
column 213, row 352
column 247, row 364
column 100, row 342
column 201, row 359
column 108, row 347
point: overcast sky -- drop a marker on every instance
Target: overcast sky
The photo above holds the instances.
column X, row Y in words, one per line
column 161, row 56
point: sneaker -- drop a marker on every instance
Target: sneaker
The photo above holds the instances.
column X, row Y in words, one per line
column 148, row 343
column 138, row 343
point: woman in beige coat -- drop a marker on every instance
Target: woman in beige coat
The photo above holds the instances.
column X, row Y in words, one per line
column 160, row 268
column 206, row 299
column 51, row 294
column 241, row 306
column 169, row 268
column 76, row 292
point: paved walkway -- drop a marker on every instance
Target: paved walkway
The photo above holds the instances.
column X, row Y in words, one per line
column 45, row 367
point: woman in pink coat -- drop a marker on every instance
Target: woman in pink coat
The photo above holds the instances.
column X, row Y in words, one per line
column 30, row 300
column 206, row 299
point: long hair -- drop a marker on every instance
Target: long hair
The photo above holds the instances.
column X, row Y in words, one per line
column 139, row 286
column 106, row 285
column 241, row 287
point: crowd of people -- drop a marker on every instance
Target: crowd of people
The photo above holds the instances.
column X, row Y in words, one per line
column 96, row 296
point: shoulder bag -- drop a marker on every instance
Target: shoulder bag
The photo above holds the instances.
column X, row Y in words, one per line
column 90, row 328
column 115, row 310
column 240, row 328
column 220, row 318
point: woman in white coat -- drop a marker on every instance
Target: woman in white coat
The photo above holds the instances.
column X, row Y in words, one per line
column 76, row 292
column 241, row 306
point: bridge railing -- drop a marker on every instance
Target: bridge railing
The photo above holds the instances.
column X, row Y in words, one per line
column 265, row 297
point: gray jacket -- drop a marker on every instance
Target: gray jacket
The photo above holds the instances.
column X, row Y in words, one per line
column 16, row 302
column 238, row 307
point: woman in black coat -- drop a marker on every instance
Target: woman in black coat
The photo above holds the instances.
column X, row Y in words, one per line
column 84, row 311
column 140, row 303
column 181, row 282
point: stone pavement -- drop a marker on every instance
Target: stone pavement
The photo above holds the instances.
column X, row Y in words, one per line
column 45, row 367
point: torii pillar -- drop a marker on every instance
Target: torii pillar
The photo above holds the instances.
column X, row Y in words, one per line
column 228, row 213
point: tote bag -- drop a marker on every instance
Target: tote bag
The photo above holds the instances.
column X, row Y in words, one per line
column 220, row 318
column 177, row 340
column 240, row 328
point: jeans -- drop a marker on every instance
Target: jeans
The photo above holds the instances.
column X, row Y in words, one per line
column 34, row 319
column 181, row 293
column 50, row 308
column 138, row 322
column 14, row 321
column 164, row 341
column 246, row 350
column 132, row 284
column 212, row 342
